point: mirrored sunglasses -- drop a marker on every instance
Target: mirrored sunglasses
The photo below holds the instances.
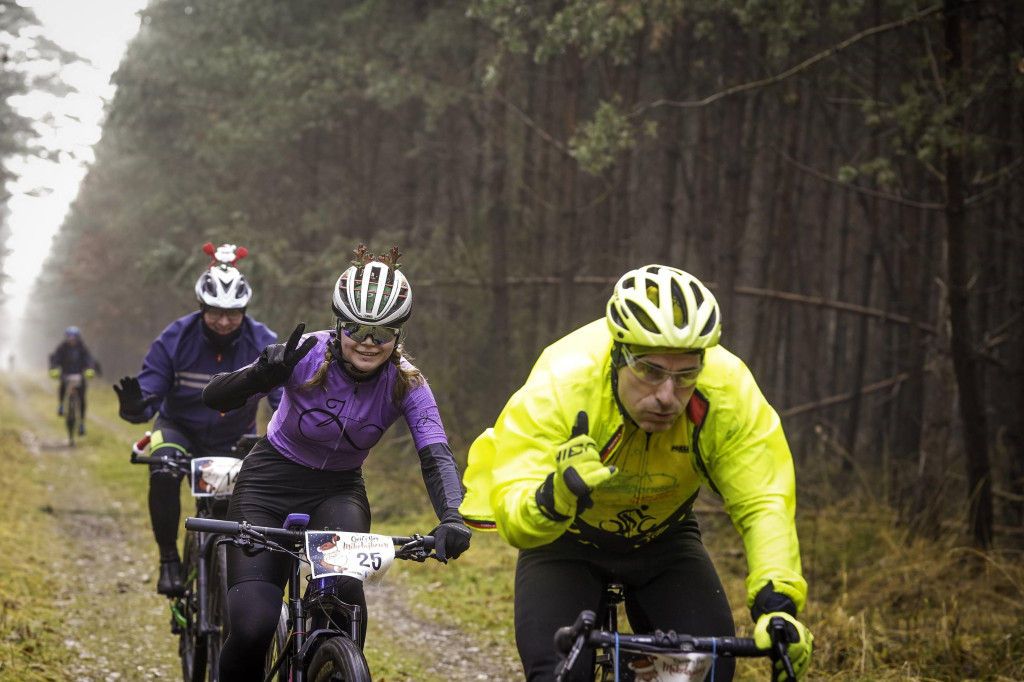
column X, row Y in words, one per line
column 358, row 332
column 653, row 375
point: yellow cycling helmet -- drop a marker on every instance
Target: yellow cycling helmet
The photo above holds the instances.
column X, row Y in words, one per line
column 657, row 305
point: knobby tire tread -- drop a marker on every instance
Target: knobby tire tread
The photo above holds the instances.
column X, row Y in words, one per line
column 192, row 644
column 71, row 415
column 338, row 659
column 278, row 647
column 217, row 608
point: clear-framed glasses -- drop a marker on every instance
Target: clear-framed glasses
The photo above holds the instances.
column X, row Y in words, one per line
column 215, row 314
column 358, row 332
column 654, row 375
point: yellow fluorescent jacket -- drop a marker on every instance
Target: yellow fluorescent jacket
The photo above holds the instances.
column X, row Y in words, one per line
column 731, row 440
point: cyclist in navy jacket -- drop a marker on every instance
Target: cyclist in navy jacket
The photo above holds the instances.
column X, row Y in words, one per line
column 72, row 357
column 219, row 337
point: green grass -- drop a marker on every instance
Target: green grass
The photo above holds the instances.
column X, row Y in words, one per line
column 30, row 641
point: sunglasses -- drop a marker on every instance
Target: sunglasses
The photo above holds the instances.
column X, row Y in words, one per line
column 654, row 375
column 217, row 313
column 358, row 332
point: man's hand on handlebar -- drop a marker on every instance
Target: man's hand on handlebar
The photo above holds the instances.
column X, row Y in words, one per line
column 782, row 633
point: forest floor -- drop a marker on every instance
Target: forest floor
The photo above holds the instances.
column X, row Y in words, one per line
column 112, row 621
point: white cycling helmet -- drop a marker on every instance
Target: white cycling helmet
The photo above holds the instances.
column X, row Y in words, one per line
column 223, row 286
column 657, row 305
column 373, row 293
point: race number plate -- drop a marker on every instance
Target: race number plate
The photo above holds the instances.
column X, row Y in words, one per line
column 680, row 667
column 214, row 476
column 358, row 555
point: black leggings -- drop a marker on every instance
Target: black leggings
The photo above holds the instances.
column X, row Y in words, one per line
column 269, row 487
column 670, row 584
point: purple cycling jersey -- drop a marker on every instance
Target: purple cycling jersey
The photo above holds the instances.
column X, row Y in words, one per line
column 334, row 429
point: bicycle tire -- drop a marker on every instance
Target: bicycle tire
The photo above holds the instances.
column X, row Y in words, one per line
column 71, row 415
column 191, row 642
column 279, row 648
column 217, row 610
column 338, row 659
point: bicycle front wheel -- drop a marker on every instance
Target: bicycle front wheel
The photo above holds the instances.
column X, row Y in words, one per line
column 279, row 648
column 191, row 643
column 71, row 415
column 339, row 659
column 217, row 610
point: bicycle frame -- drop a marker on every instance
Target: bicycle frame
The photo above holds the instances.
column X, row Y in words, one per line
column 310, row 633
column 198, row 653
column 301, row 645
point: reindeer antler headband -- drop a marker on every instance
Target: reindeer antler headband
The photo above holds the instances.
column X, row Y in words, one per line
column 364, row 257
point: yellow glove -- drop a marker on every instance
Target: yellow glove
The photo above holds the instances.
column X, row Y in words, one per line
column 55, row 373
column 799, row 638
column 580, row 471
column 90, row 373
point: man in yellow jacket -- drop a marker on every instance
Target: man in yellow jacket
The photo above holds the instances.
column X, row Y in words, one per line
column 593, row 466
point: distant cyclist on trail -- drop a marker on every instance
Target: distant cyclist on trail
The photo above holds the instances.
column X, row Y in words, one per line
column 219, row 337
column 343, row 388
column 72, row 357
column 593, row 466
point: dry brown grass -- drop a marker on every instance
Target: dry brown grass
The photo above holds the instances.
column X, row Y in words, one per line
column 886, row 605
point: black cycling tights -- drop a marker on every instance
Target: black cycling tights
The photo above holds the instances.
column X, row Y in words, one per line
column 165, row 511
column 670, row 584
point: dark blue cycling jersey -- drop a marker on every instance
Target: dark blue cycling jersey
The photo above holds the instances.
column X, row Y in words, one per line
column 179, row 364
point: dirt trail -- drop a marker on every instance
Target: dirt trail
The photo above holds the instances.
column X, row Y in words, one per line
column 115, row 620
column 113, row 617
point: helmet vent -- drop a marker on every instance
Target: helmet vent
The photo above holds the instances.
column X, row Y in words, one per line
column 697, row 294
column 710, row 326
column 642, row 317
column 679, row 311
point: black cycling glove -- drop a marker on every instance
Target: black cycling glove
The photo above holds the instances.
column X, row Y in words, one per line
column 277, row 361
column 451, row 539
column 131, row 403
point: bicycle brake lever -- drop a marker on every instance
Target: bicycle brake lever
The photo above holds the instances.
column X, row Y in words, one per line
column 570, row 658
column 780, row 643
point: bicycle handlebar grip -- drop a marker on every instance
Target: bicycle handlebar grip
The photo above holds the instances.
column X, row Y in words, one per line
column 212, row 525
column 737, row 646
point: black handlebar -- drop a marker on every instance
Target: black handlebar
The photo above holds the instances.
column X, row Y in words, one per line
column 739, row 647
column 258, row 533
column 571, row 640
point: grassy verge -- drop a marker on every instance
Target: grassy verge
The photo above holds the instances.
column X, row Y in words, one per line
column 30, row 639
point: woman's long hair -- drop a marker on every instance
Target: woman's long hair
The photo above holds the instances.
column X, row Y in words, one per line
column 405, row 379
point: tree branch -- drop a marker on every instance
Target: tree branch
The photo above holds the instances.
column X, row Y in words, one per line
column 843, row 397
column 924, row 206
column 802, row 66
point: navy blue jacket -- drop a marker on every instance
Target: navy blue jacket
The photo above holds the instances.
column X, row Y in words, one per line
column 179, row 364
column 72, row 359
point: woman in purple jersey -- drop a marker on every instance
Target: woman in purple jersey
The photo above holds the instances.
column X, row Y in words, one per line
column 342, row 390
